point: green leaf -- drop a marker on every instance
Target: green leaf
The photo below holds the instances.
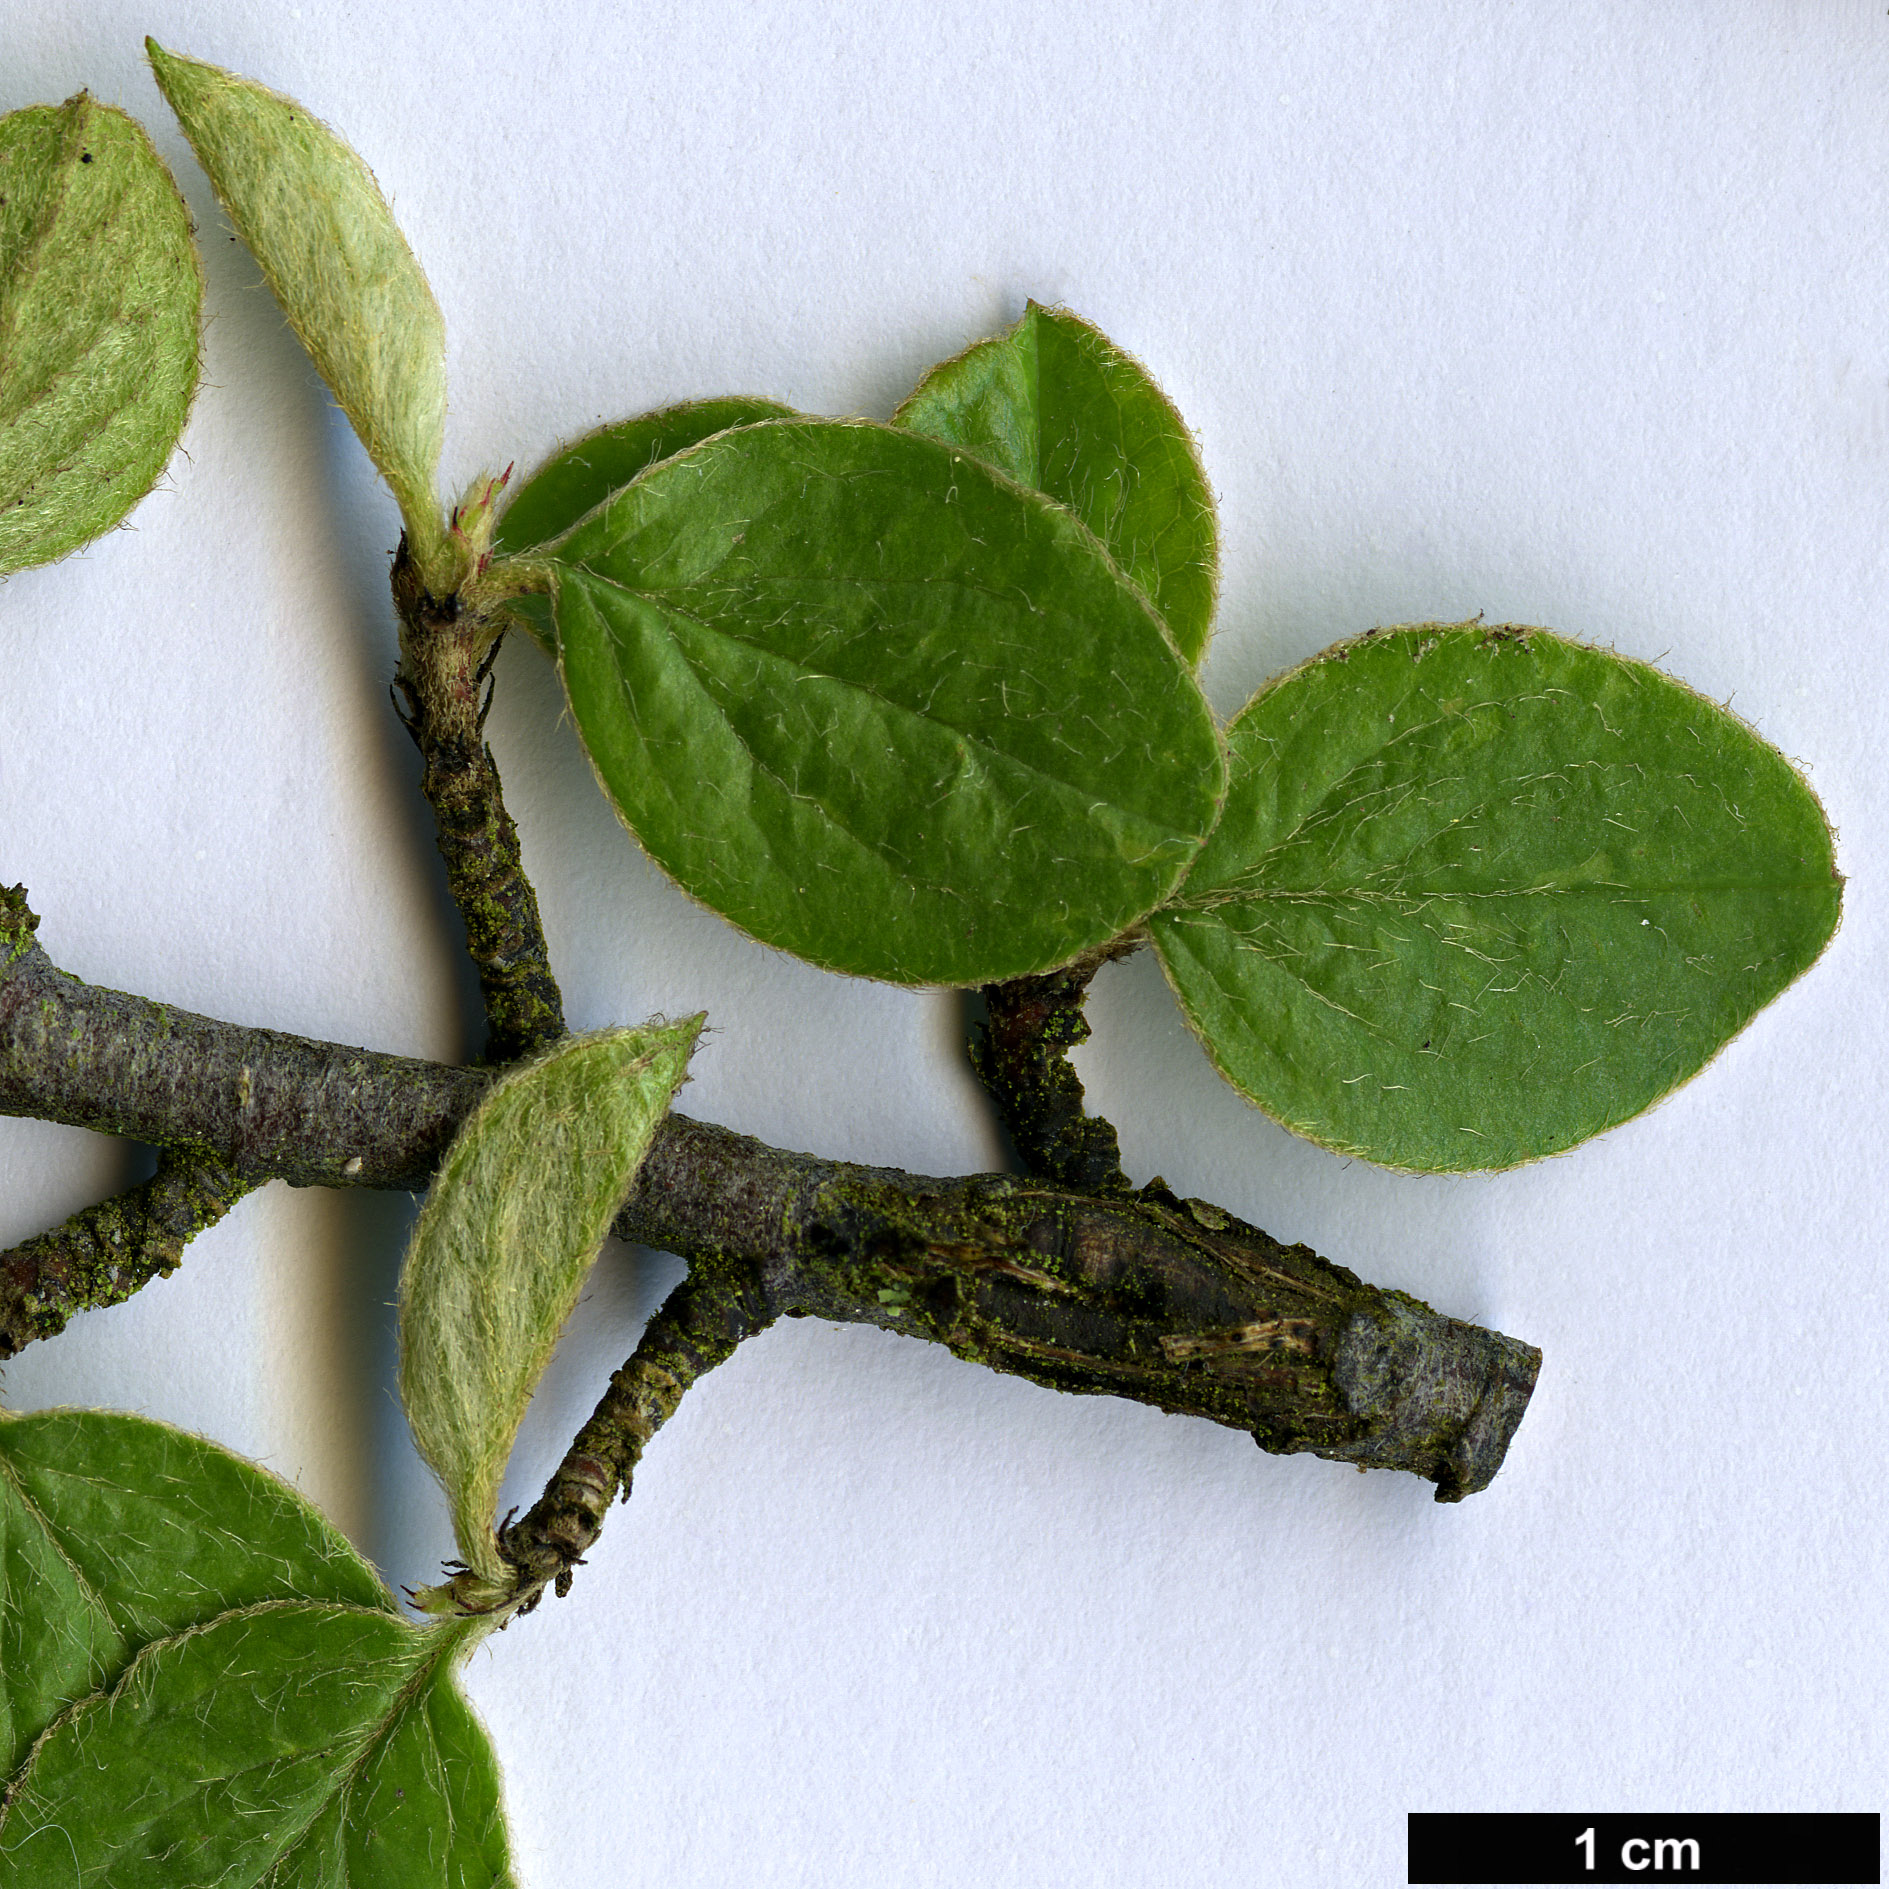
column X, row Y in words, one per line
column 99, row 298
column 580, row 476
column 329, row 248
column 515, row 1217
column 879, row 706
column 115, row 1531
column 319, row 1746
column 268, row 1709
column 1481, row 893
column 1056, row 405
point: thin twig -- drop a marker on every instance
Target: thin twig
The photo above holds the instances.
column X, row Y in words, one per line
column 697, row 1328
column 446, row 656
column 1022, row 1058
column 103, row 1254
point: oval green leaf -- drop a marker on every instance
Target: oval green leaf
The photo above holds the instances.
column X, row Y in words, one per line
column 329, row 248
column 880, row 706
column 99, row 300
column 116, row 1531
column 1056, row 405
column 316, row 1746
column 1481, row 893
column 516, row 1215
column 579, row 477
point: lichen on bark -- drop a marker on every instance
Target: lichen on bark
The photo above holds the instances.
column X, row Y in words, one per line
column 1142, row 1294
column 103, row 1254
column 446, row 653
column 1021, row 1055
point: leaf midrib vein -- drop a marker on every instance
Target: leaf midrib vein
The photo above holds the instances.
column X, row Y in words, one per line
column 345, row 1776
column 57, row 1540
column 659, row 601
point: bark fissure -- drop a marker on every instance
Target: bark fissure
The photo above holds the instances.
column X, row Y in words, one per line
column 1079, row 1292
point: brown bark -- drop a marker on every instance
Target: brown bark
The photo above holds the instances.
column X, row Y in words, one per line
column 446, row 654
column 1021, row 1055
column 1141, row 1295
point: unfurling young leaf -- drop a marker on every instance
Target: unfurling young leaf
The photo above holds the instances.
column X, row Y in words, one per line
column 195, row 1665
column 329, row 248
column 99, row 298
column 1480, row 893
column 1056, row 405
column 880, row 706
column 515, row 1217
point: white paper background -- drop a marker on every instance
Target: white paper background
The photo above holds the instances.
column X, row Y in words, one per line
column 1572, row 316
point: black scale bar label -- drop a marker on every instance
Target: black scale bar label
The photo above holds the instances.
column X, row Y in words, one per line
column 1557, row 1848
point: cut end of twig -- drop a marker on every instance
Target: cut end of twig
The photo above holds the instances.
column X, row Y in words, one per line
column 1440, row 1397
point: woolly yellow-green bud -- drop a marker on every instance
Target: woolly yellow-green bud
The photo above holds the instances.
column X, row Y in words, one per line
column 329, row 247
column 517, row 1213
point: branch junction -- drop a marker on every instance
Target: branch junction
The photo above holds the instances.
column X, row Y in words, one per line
column 1138, row 1294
